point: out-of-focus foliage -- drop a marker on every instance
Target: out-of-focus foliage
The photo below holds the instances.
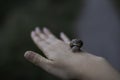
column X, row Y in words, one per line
column 17, row 19
column 117, row 4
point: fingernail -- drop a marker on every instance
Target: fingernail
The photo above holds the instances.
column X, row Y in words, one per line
column 29, row 55
column 45, row 30
column 61, row 33
column 37, row 29
column 32, row 33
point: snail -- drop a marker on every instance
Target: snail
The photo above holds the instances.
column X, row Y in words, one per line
column 76, row 44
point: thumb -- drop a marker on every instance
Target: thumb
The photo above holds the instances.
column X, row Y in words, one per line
column 44, row 63
column 38, row 60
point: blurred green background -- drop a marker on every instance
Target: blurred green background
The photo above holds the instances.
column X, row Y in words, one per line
column 18, row 18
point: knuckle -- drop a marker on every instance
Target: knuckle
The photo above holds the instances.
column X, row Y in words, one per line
column 101, row 58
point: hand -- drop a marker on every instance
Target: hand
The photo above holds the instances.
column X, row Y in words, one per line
column 62, row 62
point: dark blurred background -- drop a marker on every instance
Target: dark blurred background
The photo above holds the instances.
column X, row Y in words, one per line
column 18, row 18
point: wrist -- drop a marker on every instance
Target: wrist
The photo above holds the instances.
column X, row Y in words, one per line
column 104, row 71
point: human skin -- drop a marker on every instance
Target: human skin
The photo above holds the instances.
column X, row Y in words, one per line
column 64, row 63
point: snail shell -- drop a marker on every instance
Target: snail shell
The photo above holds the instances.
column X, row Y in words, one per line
column 76, row 44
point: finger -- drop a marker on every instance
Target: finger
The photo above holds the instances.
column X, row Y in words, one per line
column 64, row 38
column 38, row 60
column 38, row 41
column 44, row 63
column 42, row 44
column 48, row 33
column 40, row 34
